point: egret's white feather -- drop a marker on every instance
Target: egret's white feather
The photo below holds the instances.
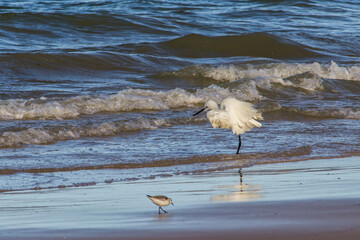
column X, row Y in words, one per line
column 233, row 114
column 219, row 119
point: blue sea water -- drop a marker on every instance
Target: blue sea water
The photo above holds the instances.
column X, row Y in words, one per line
column 104, row 91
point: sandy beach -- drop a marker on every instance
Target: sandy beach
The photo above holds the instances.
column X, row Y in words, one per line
column 315, row 199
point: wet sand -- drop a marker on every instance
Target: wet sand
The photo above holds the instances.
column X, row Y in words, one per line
column 316, row 199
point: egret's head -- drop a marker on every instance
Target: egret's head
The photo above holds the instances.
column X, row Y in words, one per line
column 209, row 105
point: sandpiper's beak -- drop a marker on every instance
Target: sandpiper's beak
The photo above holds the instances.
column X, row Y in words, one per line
column 172, row 203
column 199, row 112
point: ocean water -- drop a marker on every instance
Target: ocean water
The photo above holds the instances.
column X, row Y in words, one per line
column 103, row 91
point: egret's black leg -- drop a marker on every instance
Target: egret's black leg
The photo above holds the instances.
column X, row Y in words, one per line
column 239, row 145
column 163, row 210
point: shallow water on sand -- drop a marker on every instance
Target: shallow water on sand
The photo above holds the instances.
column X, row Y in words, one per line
column 70, row 211
column 102, row 91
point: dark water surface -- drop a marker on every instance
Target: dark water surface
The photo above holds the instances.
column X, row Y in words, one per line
column 104, row 91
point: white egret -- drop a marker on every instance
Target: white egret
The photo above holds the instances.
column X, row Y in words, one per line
column 161, row 201
column 232, row 114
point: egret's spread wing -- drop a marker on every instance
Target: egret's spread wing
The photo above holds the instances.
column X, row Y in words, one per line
column 242, row 115
column 219, row 119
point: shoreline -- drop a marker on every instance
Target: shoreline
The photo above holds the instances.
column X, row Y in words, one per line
column 314, row 199
column 323, row 219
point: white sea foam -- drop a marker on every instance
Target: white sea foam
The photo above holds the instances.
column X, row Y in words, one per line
column 280, row 71
column 10, row 139
column 306, row 77
column 125, row 100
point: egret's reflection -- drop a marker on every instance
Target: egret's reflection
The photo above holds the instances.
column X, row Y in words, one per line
column 239, row 192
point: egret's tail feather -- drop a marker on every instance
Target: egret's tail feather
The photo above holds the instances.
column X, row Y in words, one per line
column 255, row 123
column 258, row 116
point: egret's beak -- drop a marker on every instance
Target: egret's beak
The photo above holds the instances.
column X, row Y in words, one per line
column 199, row 112
column 172, row 203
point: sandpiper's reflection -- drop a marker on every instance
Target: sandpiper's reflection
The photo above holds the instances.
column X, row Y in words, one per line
column 162, row 217
column 239, row 192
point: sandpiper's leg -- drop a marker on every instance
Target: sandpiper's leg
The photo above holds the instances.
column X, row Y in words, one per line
column 159, row 210
column 163, row 210
column 239, row 145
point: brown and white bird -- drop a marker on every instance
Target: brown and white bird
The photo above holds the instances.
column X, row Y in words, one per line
column 161, row 201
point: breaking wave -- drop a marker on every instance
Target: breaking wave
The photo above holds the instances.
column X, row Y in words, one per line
column 275, row 71
column 124, row 101
column 10, row 139
column 287, row 79
column 48, row 135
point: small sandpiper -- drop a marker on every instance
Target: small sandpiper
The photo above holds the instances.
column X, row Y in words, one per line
column 161, row 201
